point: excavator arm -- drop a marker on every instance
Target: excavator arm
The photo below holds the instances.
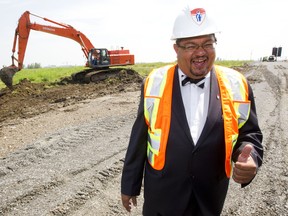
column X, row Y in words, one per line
column 96, row 58
column 23, row 30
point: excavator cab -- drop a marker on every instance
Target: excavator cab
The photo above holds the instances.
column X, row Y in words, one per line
column 98, row 58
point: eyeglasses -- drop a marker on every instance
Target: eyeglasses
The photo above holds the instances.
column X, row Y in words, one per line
column 193, row 47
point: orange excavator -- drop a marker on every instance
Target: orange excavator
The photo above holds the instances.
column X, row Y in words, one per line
column 99, row 60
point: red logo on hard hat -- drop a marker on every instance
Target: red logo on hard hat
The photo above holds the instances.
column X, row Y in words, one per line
column 198, row 15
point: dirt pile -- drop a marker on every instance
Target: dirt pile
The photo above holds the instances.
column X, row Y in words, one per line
column 29, row 99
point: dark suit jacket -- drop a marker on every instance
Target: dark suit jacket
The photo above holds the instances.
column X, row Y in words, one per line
column 193, row 178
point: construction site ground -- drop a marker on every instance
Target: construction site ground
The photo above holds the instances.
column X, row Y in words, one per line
column 62, row 148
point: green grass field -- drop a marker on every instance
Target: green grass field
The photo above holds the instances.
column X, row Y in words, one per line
column 52, row 75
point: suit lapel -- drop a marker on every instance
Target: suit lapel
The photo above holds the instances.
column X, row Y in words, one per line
column 214, row 109
column 178, row 107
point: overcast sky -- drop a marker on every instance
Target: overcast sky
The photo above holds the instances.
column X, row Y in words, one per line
column 249, row 28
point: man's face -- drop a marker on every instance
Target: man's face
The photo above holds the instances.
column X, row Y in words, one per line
column 196, row 55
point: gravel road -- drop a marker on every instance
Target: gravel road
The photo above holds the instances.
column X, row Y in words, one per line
column 68, row 161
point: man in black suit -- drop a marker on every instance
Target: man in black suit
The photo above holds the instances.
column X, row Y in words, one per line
column 194, row 119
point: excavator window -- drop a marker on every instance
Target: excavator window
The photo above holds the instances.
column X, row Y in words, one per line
column 96, row 57
column 104, row 58
column 99, row 58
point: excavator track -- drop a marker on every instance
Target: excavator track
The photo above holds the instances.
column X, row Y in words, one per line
column 79, row 76
column 95, row 76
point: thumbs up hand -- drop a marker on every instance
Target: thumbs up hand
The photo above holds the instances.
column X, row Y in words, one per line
column 245, row 168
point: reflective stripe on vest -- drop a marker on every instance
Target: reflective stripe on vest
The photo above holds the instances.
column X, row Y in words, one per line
column 235, row 108
column 157, row 110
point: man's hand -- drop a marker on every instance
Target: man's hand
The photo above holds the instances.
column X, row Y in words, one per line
column 126, row 201
column 245, row 168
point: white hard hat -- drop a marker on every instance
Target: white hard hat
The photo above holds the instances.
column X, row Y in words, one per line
column 192, row 22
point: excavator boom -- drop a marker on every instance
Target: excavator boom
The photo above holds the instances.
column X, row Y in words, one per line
column 97, row 58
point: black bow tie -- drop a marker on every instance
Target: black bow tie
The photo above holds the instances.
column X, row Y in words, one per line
column 195, row 81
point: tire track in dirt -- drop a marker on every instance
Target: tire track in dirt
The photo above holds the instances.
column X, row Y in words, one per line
column 267, row 195
column 275, row 158
column 278, row 148
column 74, row 172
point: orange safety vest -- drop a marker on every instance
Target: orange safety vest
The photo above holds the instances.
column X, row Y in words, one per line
column 157, row 110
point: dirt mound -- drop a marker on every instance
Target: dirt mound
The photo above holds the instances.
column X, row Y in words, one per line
column 29, row 99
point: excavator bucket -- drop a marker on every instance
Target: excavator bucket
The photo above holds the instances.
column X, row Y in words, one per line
column 6, row 75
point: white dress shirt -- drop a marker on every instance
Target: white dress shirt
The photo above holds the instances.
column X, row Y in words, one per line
column 196, row 102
